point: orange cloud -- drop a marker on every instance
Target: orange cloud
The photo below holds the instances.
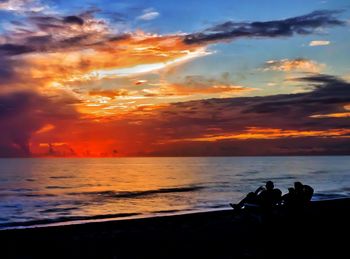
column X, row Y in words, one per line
column 108, row 59
column 74, row 70
column 184, row 90
column 289, row 65
column 45, row 128
column 269, row 133
column 332, row 115
column 196, row 85
column 319, row 43
column 109, row 93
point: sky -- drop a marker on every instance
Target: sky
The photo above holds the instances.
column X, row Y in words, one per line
column 174, row 78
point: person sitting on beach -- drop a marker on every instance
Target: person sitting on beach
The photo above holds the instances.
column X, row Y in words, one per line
column 269, row 196
column 288, row 199
column 264, row 196
column 303, row 193
column 308, row 193
column 250, row 199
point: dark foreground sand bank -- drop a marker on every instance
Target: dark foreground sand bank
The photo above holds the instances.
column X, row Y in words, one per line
column 321, row 231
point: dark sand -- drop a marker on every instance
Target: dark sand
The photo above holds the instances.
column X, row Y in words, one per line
column 321, row 231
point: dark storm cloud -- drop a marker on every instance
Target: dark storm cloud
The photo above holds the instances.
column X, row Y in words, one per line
column 7, row 73
column 330, row 95
column 46, row 33
column 305, row 24
column 290, row 112
column 14, row 49
column 73, row 20
column 55, row 21
column 24, row 113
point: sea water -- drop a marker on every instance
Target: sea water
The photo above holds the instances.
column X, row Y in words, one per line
column 64, row 190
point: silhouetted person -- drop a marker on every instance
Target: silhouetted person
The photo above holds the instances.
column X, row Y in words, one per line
column 270, row 196
column 265, row 197
column 308, row 192
column 250, row 199
column 299, row 194
column 289, row 198
column 303, row 194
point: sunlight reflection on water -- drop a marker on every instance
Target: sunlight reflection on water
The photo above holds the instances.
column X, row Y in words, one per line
column 72, row 189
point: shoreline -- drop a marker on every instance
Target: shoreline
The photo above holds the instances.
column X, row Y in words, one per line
column 79, row 220
column 316, row 233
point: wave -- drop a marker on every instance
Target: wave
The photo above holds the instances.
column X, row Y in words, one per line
column 61, row 177
column 265, row 179
column 319, row 172
column 57, row 187
column 329, row 196
column 39, row 195
column 166, row 211
column 22, row 190
column 247, row 173
column 137, row 194
column 64, row 219
column 218, row 206
column 57, row 210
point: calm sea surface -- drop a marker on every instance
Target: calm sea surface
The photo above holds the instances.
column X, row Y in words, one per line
column 62, row 191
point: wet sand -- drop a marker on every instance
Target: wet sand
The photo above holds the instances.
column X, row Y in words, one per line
column 320, row 231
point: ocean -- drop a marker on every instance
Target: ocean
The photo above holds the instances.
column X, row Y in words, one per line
column 45, row 191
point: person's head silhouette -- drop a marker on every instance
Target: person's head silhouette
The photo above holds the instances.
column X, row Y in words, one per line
column 298, row 186
column 269, row 185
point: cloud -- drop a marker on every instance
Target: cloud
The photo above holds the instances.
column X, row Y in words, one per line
column 66, row 50
column 148, row 14
column 303, row 25
column 278, row 124
column 234, row 122
column 47, row 33
column 270, row 133
column 332, row 115
column 13, row 49
column 23, row 114
column 299, row 65
column 73, row 20
column 319, row 43
column 22, row 6
column 109, row 93
column 59, row 52
column 196, row 85
column 68, row 88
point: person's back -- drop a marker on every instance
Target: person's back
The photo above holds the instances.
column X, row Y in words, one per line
column 277, row 196
column 308, row 192
column 270, row 196
column 289, row 198
column 250, row 199
column 303, row 194
column 299, row 194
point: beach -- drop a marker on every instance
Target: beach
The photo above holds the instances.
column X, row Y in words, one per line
column 319, row 231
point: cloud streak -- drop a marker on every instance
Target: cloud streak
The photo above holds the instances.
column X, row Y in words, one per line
column 319, row 43
column 148, row 14
column 302, row 25
column 22, row 6
column 298, row 65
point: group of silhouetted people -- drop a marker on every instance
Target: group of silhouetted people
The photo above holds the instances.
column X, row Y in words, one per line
column 267, row 197
column 299, row 196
